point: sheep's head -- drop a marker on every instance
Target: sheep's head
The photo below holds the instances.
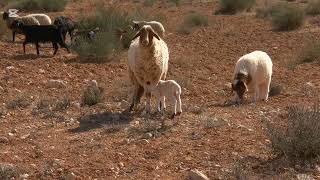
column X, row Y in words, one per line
column 5, row 15
column 146, row 34
column 239, row 84
column 16, row 24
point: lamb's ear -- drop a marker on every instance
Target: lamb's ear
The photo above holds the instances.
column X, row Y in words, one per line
column 155, row 34
column 137, row 35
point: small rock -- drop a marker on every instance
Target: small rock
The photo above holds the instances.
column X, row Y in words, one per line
column 70, row 176
column 144, row 141
column 41, row 71
column 197, row 175
column 14, row 131
column 52, row 83
column 24, row 176
column 10, row 134
column 25, row 136
column 147, row 136
column 4, row 140
column 304, row 177
column 9, row 67
column 121, row 164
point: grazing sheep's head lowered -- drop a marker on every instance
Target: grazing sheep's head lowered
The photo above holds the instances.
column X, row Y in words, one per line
column 239, row 85
column 146, row 34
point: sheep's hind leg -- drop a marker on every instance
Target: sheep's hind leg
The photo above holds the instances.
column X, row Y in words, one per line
column 55, row 46
column 24, row 47
column 37, row 47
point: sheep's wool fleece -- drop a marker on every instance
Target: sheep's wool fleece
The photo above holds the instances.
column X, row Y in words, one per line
column 148, row 64
column 256, row 64
column 24, row 19
column 42, row 18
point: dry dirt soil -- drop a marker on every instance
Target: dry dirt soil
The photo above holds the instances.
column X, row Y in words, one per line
column 221, row 140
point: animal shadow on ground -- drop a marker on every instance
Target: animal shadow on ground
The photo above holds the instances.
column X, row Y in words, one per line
column 102, row 120
column 21, row 57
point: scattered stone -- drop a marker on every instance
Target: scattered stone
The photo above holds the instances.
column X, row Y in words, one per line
column 9, row 67
column 25, row 136
column 304, row 177
column 10, row 134
column 24, row 176
column 70, row 176
column 197, row 175
column 14, row 131
column 144, row 141
column 53, row 83
column 41, row 71
column 147, row 135
column 4, row 140
column 121, row 164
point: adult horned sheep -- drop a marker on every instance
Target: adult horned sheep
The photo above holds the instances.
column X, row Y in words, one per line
column 253, row 71
column 148, row 58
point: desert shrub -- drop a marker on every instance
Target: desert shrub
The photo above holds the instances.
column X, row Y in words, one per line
column 192, row 21
column 310, row 53
column 19, row 102
column 107, row 43
column 266, row 10
column 9, row 171
column 176, row 2
column 37, row 5
column 234, row 6
column 301, row 138
column 287, row 17
column 313, row 7
column 92, row 95
column 149, row 3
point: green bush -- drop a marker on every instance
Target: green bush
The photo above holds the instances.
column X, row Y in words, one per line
column 37, row 5
column 92, row 95
column 149, row 3
column 107, row 43
column 313, row 7
column 310, row 53
column 301, row 138
column 286, row 17
column 234, row 6
column 192, row 21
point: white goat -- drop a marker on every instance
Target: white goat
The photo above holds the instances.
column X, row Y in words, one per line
column 148, row 58
column 157, row 26
column 168, row 90
column 253, row 71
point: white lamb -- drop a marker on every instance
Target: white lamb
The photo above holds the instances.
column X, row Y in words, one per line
column 148, row 58
column 253, row 71
column 42, row 18
column 171, row 91
column 157, row 26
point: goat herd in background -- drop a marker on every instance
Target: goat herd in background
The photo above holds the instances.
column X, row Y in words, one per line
column 148, row 58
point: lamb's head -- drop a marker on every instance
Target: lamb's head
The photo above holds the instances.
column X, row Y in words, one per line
column 146, row 34
column 239, row 85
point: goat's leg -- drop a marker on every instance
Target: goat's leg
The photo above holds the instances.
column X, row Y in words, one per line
column 37, row 47
column 56, row 47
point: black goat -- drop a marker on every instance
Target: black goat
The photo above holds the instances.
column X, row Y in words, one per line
column 42, row 33
column 66, row 25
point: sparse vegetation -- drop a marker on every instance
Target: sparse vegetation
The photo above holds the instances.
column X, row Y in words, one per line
column 192, row 21
column 36, row 5
column 49, row 107
column 286, row 17
column 234, row 6
column 176, row 2
column 107, row 43
column 301, row 139
column 8, row 171
column 149, row 3
column 19, row 102
column 92, row 95
column 310, row 53
column 313, row 7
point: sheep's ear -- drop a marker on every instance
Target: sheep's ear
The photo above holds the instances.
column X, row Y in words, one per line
column 155, row 34
column 137, row 35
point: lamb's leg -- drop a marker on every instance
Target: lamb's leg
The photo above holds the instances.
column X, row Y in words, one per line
column 264, row 89
column 174, row 106
column 179, row 104
column 256, row 93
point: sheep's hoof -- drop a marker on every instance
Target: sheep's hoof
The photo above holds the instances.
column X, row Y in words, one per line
column 172, row 116
column 179, row 113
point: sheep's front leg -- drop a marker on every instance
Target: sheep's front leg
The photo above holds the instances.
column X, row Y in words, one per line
column 256, row 93
column 264, row 92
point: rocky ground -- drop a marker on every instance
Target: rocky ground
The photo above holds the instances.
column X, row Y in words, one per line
column 46, row 133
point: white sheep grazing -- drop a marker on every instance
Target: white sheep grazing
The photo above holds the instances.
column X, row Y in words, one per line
column 157, row 26
column 253, row 71
column 148, row 58
column 10, row 18
column 168, row 90
column 42, row 18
